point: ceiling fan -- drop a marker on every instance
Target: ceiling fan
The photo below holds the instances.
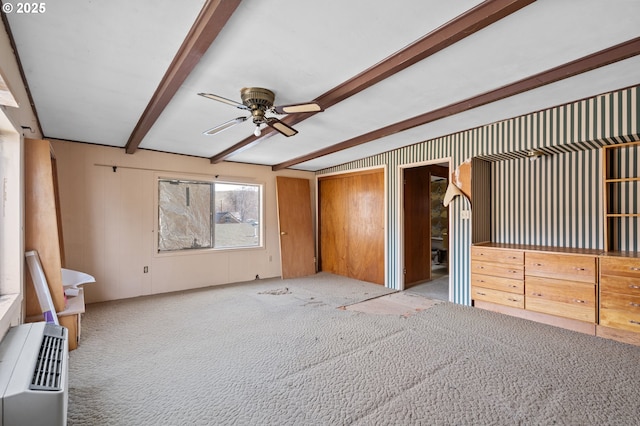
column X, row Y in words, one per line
column 258, row 101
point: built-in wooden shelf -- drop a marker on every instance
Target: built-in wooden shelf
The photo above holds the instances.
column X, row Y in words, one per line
column 613, row 185
column 622, row 180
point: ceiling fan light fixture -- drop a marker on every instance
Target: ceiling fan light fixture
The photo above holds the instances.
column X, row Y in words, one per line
column 257, row 97
column 259, row 101
column 279, row 126
column 224, row 126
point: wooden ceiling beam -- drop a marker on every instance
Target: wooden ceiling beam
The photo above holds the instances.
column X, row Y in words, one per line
column 587, row 63
column 464, row 25
column 212, row 18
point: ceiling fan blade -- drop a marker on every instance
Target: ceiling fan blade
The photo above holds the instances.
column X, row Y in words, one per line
column 224, row 100
column 295, row 108
column 225, row 126
column 279, row 126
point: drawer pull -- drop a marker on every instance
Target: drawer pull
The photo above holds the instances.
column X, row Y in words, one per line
column 635, row 305
column 510, row 299
column 512, row 257
column 537, row 294
column 513, row 286
column 537, row 264
column 634, row 322
column 579, row 301
column 633, row 268
column 581, row 269
column 481, row 281
column 480, row 293
column 633, row 286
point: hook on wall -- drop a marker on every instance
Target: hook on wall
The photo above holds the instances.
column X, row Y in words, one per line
column 115, row 168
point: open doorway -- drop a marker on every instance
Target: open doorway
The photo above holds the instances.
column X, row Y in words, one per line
column 426, row 230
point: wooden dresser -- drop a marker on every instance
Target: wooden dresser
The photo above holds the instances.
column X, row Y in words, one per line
column 562, row 284
column 620, row 297
column 589, row 291
column 497, row 276
column 555, row 286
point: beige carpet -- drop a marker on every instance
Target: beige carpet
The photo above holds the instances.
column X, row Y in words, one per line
column 255, row 354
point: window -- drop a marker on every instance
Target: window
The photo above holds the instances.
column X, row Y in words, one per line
column 204, row 215
column 11, row 224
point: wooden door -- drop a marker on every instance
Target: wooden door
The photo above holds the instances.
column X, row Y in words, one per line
column 297, row 251
column 417, row 225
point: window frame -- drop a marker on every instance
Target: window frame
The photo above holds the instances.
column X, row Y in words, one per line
column 12, row 271
column 211, row 181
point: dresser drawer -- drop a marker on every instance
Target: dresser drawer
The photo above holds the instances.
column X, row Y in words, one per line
column 496, row 296
column 515, row 272
column 616, row 284
column 620, row 311
column 620, row 302
column 621, row 266
column 561, row 266
column 498, row 283
column 569, row 299
column 497, row 255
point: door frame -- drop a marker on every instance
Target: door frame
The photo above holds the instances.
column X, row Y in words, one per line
column 400, row 278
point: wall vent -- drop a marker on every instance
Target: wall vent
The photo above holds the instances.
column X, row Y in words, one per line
column 47, row 373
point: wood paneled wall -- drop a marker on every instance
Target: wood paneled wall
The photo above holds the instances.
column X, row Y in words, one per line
column 351, row 225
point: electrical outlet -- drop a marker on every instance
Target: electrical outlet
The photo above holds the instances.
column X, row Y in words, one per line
column 146, row 269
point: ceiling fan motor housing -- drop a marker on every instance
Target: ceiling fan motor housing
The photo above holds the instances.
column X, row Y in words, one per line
column 259, row 100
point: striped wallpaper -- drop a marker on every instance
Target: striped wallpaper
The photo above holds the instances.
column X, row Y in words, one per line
column 554, row 200
column 531, row 199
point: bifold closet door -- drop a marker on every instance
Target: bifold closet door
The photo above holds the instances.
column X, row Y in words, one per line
column 351, row 225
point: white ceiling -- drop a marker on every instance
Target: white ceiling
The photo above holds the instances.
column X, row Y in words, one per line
column 92, row 68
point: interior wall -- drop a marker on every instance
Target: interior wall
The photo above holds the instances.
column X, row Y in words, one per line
column 553, row 201
column 109, row 222
column 587, row 124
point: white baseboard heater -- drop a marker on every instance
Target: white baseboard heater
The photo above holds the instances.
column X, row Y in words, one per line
column 34, row 369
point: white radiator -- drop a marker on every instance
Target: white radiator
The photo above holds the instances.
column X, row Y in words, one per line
column 34, row 367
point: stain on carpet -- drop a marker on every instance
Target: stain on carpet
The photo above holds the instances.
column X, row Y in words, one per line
column 400, row 303
column 276, row 292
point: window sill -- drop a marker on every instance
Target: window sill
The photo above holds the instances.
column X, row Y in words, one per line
column 9, row 311
column 205, row 251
